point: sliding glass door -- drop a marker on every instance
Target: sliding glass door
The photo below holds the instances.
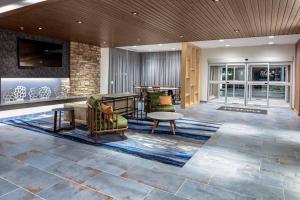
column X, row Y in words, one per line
column 217, row 83
column 279, row 84
column 235, row 83
column 258, row 84
column 253, row 84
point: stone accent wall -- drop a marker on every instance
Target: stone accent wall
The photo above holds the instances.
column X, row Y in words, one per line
column 64, row 87
column 84, row 69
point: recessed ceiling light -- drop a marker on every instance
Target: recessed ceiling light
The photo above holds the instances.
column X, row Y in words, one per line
column 40, row 28
column 221, row 40
column 79, row 22
column 236, row 30
column 271, row 36
column 181, row 36
column 270, row 43
column 227, row 45
column 134, row 12
column 216, row 0
column 21, row 28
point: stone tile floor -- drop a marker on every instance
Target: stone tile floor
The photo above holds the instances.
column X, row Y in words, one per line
column 250, row 157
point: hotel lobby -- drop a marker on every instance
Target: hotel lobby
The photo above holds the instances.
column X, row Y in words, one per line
column 149, row 100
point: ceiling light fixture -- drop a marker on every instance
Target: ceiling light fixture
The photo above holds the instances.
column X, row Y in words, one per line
column 181, row 36
column 79, row 22
column 216, row 0
column 134, row 13
column 40, row 28
column 160, row 45
column 236, row 30
column 22, row 28
column 134, row 46
column 221, row 40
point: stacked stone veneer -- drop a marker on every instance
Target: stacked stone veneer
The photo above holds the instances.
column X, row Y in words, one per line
column 84, row 69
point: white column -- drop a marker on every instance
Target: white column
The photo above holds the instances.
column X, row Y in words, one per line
column 104, row 70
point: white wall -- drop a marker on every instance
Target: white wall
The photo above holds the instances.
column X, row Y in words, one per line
column 275, row 53
column 104, row 70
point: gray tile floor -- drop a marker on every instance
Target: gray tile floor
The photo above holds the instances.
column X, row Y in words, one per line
column 250, row 157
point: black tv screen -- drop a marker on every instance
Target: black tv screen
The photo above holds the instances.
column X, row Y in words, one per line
column 33, row 53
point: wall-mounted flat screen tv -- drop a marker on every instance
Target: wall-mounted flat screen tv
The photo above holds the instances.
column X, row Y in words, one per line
column 33, row 53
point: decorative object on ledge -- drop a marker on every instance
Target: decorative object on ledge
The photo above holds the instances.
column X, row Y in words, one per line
column 39, row 93
column 15, row 94
column 61, row 92
column 20, row 93
column 44, row 92
column 33, row 93
column 9, row 96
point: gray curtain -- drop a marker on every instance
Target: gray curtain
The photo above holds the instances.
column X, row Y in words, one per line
column 161, row 68
column 124, row 70
column 128, row 69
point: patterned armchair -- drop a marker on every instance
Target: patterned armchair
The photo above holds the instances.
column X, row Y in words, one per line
column 98, row 123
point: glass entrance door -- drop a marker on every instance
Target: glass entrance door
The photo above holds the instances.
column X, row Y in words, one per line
column 217, row 83
column 235, row 83
column 279, row 84
column 253, row 84
column 258, row 85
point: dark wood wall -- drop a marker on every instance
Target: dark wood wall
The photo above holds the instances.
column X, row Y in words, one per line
column 9, row 59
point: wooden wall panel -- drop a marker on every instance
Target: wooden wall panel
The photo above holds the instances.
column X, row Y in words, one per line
column 110, row 23
column 190, row 73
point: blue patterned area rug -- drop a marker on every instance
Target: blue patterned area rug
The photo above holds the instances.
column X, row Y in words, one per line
column 162, row 146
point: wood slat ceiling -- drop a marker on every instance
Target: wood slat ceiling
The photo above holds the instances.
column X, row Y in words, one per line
column 111, row 23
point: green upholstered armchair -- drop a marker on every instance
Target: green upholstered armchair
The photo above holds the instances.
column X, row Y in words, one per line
column 153, row 103
column 97, row 121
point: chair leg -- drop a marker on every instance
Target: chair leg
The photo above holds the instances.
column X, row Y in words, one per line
column 122, row 133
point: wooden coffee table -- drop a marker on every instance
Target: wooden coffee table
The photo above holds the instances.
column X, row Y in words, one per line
column 166, row 117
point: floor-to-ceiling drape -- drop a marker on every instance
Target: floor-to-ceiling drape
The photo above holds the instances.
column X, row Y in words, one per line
column 161, row 68
column 124, row 70
column 128, row 69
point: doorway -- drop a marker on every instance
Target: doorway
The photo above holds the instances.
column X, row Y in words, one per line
column 250, row 84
